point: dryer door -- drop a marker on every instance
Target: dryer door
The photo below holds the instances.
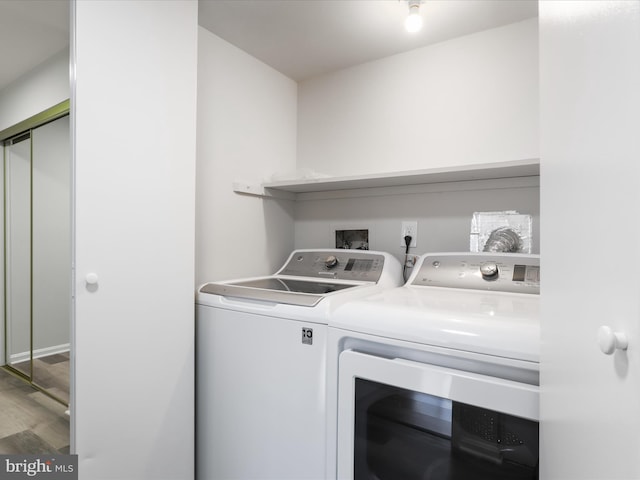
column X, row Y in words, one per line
column 403, row 419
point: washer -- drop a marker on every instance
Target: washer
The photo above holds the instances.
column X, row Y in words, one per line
column 438, row 379
column 261, row 363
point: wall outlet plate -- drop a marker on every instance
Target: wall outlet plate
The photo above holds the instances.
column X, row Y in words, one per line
column 409, row 228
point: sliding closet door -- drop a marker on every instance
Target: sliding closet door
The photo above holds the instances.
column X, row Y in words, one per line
column 51, row 256
column 18, row 252
column 38, row 255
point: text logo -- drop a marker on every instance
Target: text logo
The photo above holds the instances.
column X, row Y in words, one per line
column 46, row 466
column 307, row 336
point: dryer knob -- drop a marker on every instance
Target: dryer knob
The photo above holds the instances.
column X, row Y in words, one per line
column 331, row 261
column 489, row 271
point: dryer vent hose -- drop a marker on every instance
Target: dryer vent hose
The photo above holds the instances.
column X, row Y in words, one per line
column 503, row 239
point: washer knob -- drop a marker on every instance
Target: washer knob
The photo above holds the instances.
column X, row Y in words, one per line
column 489, row 271
column 331, row 261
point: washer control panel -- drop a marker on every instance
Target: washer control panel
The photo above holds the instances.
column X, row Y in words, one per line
column 504, row 272
column 335, row 264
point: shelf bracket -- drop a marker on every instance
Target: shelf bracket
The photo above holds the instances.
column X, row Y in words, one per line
column 257, row 190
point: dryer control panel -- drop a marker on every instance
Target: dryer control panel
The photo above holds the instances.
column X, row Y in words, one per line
column 503, row 272
column 335, row 265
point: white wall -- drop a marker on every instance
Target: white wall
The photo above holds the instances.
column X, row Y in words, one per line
column 465, row 101
column 43, row 87
column 135, row 127
column 246, row 132
column 443, row 212
column 469, row 100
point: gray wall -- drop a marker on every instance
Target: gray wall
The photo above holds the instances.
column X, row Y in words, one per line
column 443, row 212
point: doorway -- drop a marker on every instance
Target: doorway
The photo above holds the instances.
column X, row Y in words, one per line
column 37, row 251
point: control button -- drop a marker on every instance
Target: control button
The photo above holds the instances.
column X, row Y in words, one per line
column 331, row 261
column 489, row 271
column 436, row 264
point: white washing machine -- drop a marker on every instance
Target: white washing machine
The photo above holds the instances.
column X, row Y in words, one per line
column 261, row 363
column 438, row 379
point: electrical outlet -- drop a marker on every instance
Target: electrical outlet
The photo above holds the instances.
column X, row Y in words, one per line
column 411, row 229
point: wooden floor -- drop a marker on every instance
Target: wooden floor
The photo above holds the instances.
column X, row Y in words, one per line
column 31, row 421
column 52, row 374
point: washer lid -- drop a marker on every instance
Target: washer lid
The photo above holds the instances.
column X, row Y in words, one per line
column 309, row 276
column 290, row 291
column 292, row 285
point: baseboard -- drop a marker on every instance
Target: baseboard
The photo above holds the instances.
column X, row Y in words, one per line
column 41, row 352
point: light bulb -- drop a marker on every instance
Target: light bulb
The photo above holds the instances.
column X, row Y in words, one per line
column 413, row 22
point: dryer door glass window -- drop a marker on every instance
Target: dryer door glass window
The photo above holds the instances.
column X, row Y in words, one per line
column 401, row 434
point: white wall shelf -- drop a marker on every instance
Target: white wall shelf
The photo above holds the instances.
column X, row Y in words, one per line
column 487, row 171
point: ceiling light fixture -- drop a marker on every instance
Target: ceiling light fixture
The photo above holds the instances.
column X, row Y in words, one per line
column 413, row 22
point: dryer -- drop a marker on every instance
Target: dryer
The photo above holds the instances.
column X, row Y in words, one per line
column 438, row 379
column 261, row 363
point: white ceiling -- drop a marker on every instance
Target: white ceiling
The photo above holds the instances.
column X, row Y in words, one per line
column 305, row 38
column 300, row 38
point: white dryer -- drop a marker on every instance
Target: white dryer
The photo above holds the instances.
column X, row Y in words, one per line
column 438, row 379
column 261, row 363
